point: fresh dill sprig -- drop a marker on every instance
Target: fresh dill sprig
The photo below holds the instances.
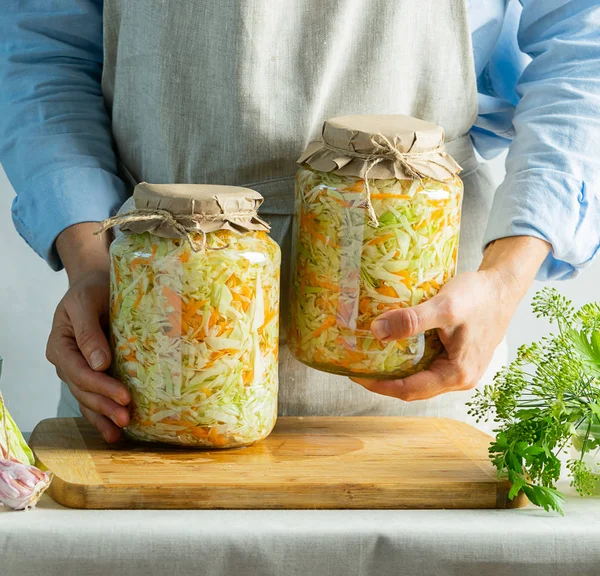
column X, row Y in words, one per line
column 547, row 394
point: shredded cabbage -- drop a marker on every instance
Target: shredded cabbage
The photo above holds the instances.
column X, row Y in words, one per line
column 12, row 444
column 195, row 336
column 346, row 272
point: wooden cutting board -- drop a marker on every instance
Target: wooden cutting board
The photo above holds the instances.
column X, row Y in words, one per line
column 316, row 462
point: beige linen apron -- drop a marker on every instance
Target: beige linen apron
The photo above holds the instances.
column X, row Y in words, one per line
column 231, row 92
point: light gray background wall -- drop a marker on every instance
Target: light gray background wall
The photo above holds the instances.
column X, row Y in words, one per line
column 29, row 292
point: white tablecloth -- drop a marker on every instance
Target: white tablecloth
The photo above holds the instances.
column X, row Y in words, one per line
column 55, row 540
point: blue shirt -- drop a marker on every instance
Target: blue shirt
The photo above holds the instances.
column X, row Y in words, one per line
column 538, row 71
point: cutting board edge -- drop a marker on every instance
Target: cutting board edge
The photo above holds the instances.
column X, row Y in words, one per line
column 356, row 497
column 93, row 479
column 68, row 494
column 79, row 496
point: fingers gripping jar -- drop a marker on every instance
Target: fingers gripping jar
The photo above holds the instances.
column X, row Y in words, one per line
column 194, row 315
column 377, row 217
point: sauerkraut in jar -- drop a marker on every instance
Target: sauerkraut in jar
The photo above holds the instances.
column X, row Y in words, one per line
column 363, row 247
column 194, row 315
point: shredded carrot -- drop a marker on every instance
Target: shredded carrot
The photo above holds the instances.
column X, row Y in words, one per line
column 184, row 257
column 192, row 307
column 405, row 278
column 358, row 186
column 199, row 432
column 216, row 438
column 310, row 227
column 438, row 203
column 117, row 273
column 248, row 377
column 386, row 290
column 172, row 298
column 269, row 315
column 139, row 296
column 245, row 291
column 143, row 260
column 381, row 239
column 244, row 302
column 378, row 196
column 328, row 323
column 116, row 304
column 363, row 305
column 213, row 318
column 342, row 202
column 307, row 216
column 325, row 240
column 314, row 281
column 353, row 357
column 185, row 327
column 175, row 320
column 232, row 281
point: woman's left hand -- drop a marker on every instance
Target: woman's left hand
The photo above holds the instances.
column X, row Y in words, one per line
column 471, row 314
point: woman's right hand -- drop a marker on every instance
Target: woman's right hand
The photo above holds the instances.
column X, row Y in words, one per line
column 77, row 345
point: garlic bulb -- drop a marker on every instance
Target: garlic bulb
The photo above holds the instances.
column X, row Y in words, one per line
column 21, row 485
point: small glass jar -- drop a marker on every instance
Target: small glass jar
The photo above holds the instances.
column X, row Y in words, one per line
column 364, row 247
column 194, row 320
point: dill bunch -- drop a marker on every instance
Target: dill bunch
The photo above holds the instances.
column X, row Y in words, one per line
column 547, row 399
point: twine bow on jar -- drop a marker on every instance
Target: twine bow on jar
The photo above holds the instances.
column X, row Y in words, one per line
column 388, row 150
column 193, row 209
column 400, row 146
column 186, row 225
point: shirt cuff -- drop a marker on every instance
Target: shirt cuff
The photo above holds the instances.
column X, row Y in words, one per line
column 552, row 206
column 53, row 202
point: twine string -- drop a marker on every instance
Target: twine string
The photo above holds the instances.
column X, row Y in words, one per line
column 387, row 150
column 185, row 225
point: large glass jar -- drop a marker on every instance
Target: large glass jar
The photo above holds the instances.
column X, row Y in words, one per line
column 362, row 248
column 194, row 319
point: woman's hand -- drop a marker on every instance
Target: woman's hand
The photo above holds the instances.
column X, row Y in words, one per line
column 77, row 345
column 471, row 314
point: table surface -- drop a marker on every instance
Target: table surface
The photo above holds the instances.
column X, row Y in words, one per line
column 530, row 542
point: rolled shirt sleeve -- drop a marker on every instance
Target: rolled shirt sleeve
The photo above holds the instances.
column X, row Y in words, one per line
column 552, row 185
column 55, row 137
